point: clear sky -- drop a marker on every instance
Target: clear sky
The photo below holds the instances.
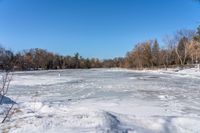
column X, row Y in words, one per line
column 94, row 28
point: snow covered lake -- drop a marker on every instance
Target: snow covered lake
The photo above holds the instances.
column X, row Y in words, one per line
column 104, row 101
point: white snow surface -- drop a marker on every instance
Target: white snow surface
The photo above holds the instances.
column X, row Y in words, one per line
column 103, row 101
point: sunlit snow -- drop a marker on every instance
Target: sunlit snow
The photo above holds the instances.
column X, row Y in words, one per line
column 103, row 101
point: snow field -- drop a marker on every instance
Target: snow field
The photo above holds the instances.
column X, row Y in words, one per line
column 104, row 101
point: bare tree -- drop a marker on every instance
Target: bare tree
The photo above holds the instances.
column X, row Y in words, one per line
column 5, row 83
column 182, row 50
column 170, row 50
column 183, row 38
column 178, row 44
column 194, row 51
column 189, row 34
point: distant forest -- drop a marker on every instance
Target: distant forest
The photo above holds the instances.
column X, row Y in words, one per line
column 183, row 48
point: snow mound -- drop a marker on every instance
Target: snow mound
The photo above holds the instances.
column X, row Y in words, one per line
column 41, row 118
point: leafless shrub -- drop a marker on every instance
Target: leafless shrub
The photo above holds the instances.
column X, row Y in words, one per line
column 4, row 86
column 5, row 83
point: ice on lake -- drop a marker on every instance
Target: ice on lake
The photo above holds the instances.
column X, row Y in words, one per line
column 104, row 101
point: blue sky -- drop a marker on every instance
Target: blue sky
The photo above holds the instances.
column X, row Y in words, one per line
column 94, row 28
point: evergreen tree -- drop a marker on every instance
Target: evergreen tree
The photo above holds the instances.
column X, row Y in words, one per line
column 147, row 58
column 155, row 53
column 197, row 37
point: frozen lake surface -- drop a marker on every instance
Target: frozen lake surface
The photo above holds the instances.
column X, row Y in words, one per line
column 104, row 101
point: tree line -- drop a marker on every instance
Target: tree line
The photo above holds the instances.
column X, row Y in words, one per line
column 40, row 59
column 180, row 49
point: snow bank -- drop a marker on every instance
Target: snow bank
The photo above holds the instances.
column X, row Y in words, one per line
column 42, row 118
